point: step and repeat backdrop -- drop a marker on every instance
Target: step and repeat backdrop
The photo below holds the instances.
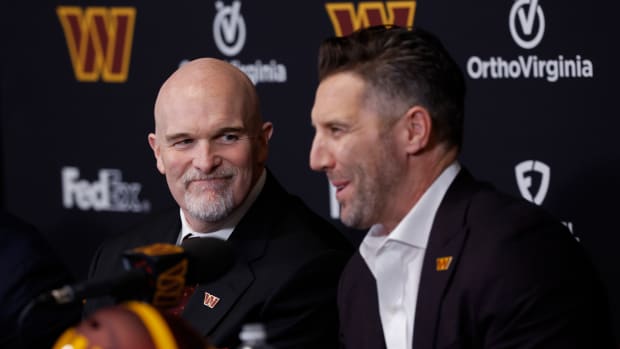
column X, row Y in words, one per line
column 79, row 79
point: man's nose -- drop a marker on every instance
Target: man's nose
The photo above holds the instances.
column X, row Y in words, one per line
column 320, row 158
column 206, row 157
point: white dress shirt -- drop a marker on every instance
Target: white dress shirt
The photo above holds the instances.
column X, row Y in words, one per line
column 395, row 259
column 231, row 221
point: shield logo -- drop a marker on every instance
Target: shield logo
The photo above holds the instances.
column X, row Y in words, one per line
column 524, row 173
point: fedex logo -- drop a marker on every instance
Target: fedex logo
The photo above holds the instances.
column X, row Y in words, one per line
column 108, row 193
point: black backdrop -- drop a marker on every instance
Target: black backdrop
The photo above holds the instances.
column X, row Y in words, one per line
column 79, row 78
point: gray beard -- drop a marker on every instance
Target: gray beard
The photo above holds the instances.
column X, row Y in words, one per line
column 212, row 209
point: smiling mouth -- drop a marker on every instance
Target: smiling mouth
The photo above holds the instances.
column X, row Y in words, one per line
column 340, row 185
column 209, row 182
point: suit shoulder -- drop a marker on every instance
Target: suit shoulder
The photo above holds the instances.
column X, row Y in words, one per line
column 304, row 224
column 153, row 229
column 291, row 222
column 147, row 230
column 509, row 232
column 497, row 211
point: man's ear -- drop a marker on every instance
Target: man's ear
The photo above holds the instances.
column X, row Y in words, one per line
column 263, row 142
column 267, row 131
column 418, row 126
column 157, row 152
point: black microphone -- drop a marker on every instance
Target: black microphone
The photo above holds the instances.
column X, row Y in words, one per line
column 155, row 273
column 209, row 258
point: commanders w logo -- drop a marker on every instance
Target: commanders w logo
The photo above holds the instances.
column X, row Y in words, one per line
column 346, row 20
column 99, row 41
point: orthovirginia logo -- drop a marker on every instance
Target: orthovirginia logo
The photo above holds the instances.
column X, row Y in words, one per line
column 526, row 23
column 108, row 193
column 99, row 40
column 529, row 14
column 346, row 20
column 229, row 34
column 229, row 28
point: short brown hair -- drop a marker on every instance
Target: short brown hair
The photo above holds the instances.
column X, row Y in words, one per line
column 405, row 65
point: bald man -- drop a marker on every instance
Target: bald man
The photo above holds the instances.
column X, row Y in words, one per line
column 211, row 144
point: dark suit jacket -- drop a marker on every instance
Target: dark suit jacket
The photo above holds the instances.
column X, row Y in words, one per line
column 517, row 279
column 285, row 276
column 29, row 267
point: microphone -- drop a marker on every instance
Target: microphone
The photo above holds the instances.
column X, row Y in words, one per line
column 155, row 273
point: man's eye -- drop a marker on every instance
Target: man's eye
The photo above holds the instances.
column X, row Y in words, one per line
column 335, row 131
column 183, row 143
column 228, row 138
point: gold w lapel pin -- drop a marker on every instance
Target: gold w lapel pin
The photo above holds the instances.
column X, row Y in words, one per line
column 210, row 300
column 443, row 263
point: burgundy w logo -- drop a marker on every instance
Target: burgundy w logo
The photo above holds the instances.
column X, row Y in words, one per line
column 210, row 300
column 346, row 19
column 99, row 41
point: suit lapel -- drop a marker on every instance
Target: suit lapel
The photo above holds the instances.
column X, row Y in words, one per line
column 447, row 237
column 212, row 301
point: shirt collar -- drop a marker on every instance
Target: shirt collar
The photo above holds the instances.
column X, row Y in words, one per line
column 229, row 222
column 415, row 228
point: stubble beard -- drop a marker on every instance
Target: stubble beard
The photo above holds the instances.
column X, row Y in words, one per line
column 375, row 182
column 358, row 212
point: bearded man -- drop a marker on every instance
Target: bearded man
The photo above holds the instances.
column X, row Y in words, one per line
column 211, row 144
